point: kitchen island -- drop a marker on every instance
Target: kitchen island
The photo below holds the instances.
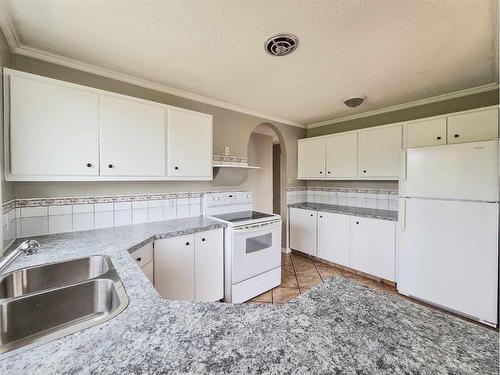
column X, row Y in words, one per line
column 340, row 326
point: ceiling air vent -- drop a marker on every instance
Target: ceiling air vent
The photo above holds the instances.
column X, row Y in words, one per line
column 281, row 44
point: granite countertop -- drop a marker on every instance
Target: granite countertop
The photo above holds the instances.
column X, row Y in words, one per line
column 348, row 210
column 338, row 327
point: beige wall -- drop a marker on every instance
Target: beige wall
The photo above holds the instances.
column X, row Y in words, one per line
column 5, row 61
column 260, row 181
column 231, row 129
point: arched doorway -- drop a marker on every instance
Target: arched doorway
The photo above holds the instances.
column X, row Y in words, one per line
column 266, row 149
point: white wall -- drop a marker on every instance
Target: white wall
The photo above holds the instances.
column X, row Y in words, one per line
column 260, row 181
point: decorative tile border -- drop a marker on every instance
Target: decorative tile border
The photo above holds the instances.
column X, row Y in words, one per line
column 38, row 216
column 384, row 199
column 229, row 160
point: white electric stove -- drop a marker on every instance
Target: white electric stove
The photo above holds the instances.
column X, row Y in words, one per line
column 252, row 245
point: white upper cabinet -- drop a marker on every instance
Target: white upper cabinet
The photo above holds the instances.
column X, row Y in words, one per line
column 342, row 155
column 311, row 158
column 473, row 126
column 189, row 143
column 379, row 152
column 60, row 131
column 132, row 138
column 425, row 133
column 53, row 129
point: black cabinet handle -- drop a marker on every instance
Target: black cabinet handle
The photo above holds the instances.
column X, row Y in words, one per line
column 89, row 165
column 438, row 138
column 357, row 222
column 203, row 239
column 110, row 165
column 321, row 216
column 321, row 172
column 329, row 172
column 312, row 215
column 138, row 259
column 187, row 243
column 176, row 168
column 364, row 170
column 457, row 135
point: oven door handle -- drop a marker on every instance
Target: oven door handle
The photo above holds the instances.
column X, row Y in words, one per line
column 257, row 228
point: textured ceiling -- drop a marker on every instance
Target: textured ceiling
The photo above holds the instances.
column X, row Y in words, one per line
column 393, row 51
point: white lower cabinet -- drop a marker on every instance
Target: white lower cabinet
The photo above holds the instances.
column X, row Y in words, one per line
column 208, row 266
column 303, row 224
column 190, row 267
column 373, row 247
column 364, row 244
column 144, row 259
column 333, row 237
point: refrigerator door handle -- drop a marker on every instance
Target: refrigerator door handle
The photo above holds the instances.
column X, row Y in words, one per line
column 403, row 165
column 402, row 211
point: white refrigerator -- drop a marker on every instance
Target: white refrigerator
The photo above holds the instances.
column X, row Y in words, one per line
column 448, row 237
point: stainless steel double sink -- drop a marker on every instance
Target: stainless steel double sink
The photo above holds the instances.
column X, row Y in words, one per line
column 44, row 302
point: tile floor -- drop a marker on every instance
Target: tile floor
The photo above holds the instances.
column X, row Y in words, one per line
column 300, row 273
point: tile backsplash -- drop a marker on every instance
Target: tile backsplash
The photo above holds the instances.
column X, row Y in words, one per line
column 32, row 217
column 383, row 199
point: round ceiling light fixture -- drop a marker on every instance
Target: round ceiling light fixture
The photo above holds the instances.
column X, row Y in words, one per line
column 354, row 101
column 281, row 44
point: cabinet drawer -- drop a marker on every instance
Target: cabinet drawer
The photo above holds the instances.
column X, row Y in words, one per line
column 144, row 255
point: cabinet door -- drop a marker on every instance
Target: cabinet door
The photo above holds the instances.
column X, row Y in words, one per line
column 148, row 270
column 379, row 151
column 342, row 155
column 373, row 247
column 54, row 129
column 311, row 158
column 174, row 267
column 189, row 144
column 472, row 127
column 132, row 138
column 426, row 133
column 303, row 230
column 334, row 237
column 209, row 266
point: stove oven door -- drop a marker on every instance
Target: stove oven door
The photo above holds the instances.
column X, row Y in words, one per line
column 255, row 250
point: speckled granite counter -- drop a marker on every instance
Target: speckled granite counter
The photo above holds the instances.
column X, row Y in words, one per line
column 348, row 210
column 338, row 327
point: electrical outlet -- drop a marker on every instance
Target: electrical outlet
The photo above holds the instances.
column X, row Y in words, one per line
column 226, row 150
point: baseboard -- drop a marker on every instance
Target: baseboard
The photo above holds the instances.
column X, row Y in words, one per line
column 286, row 250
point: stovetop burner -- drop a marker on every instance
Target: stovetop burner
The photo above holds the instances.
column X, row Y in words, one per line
column 235, row 217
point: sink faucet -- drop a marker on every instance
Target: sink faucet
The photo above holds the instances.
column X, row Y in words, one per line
column 28, row 247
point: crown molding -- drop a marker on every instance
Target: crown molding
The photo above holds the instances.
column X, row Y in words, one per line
column 94, row 69
column 7, row 27
column 15, row 45
column 416, row 103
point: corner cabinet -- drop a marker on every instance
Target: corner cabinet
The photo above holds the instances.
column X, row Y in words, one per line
column 190, row 267
column 59, row 131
